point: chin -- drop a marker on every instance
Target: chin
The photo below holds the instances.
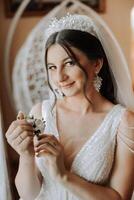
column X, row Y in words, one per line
column 71, row 93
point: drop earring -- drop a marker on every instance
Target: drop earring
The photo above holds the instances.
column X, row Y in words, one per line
column 97, row 82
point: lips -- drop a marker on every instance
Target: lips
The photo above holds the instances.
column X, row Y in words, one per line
column 68, row 85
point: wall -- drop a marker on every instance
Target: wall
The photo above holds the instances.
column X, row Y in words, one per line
column 118, row 18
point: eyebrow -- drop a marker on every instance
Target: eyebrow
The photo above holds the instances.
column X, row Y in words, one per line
column 62, row 60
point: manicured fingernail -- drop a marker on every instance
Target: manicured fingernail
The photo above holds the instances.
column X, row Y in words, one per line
column 42, row 151
column 35, row 148
column 36, row 153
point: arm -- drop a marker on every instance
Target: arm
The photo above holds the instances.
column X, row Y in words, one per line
column 28, row 174
column 122, row 180
column 28, row 179
column 86, row 190
column 123, row 173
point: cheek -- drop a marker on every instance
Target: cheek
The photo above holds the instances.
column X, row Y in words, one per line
column 82, row 78
column 77, row 73
column 79, row 77
column 52, row 77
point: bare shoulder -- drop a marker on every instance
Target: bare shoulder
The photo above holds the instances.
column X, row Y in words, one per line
column 128, row 118
column 122, row 177
column 37, row 110
column 127, row 124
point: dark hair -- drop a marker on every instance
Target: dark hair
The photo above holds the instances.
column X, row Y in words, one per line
column 92, row 48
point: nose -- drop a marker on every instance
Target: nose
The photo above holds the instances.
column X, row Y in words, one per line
column 61, row 76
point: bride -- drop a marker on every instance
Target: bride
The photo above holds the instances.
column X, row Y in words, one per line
column 86, row 149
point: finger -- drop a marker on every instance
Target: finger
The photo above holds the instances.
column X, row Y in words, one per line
column 46, row 139
column 24, row 122
column 20, row 115
column 18, row 131
column 55, row 139
column 22, row 134
column 11, row 128
column 43, row 153
column 37, row 139
column 20, row 140
column 15, row 124
column 27, row 141
column 44, row 134
column 47, row 147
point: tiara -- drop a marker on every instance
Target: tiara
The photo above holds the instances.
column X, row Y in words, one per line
column 72, row 22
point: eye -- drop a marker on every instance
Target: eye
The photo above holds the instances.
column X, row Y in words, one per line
column 70, row 63
column 51, row 67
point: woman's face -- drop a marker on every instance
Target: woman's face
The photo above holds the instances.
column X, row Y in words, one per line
column 65, row 74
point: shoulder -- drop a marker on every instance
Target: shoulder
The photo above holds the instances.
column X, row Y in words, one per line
column 36, row 110
column 128, row 118
column 124, row 156
column 126, row 126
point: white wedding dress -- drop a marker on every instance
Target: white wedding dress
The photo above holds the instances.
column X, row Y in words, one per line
column 93, row 162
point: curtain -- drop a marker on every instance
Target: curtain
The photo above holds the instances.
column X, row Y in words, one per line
column 5, row 191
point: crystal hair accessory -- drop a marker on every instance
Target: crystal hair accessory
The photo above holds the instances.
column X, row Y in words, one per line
column 72, row 22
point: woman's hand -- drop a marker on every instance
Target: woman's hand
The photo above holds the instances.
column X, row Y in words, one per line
column 49, row 147
column 20, row 136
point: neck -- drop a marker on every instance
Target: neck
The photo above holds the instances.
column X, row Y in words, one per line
column 80, row 104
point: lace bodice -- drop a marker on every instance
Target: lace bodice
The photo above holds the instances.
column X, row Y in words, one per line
column 94, row 160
